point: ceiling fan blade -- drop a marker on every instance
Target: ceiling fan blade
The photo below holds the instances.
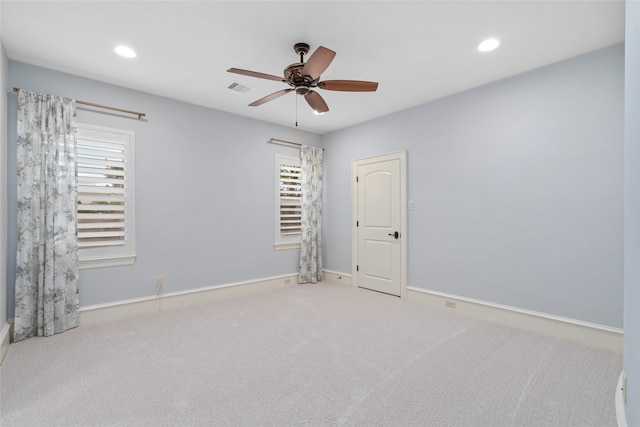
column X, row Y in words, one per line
column 256, row 74
column 271, row 97
column 316, row 102
column 349, row 85
column 318, row 62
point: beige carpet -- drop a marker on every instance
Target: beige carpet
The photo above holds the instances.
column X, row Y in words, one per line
column 307, row 355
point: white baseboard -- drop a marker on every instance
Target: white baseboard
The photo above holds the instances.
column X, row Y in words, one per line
column 337, row 277
column 586, row 333
column 5, row 339
column 621, row 416
column 101, row 313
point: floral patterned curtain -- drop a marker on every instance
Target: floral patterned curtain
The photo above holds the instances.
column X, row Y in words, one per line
column 46, row 298
column 311, row 241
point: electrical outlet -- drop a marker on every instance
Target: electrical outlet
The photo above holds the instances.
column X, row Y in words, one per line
column 450, row 304
column 159, row 286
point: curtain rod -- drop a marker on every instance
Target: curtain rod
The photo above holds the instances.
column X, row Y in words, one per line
column 283, row 142
column 106, row 107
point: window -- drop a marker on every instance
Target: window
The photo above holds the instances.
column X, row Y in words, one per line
column 105, row 162
column 288, row 202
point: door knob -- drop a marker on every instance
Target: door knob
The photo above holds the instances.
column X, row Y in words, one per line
column 396, row 235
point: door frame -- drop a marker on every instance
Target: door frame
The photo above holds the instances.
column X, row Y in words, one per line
column 402, row 157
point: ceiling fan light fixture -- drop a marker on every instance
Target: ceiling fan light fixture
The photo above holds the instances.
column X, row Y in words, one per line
column 318, row 113
column 125, row 51
column 303, row 90
column 488, row 45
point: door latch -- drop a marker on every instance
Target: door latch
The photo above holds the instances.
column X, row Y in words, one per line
column 396, row 235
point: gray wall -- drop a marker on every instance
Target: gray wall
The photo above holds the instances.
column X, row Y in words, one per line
column 204, row 190
column 517, row 186
column 632, row 213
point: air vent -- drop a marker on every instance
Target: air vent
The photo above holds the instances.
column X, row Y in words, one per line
column 239, row 87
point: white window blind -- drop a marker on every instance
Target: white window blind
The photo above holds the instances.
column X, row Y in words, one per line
column 288, row 202
column 105, row 195
column 101, row 186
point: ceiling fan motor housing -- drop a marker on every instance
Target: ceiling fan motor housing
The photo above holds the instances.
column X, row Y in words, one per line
column 293, row 76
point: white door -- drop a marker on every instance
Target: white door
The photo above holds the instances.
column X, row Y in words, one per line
column 379, row 227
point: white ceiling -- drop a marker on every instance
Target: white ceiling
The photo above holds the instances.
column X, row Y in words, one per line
column 418, row 51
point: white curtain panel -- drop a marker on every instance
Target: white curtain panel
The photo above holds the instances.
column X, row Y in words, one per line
column 46, row 297
column 311, row 239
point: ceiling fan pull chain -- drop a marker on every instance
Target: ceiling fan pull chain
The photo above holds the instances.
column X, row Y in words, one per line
column 296, row 111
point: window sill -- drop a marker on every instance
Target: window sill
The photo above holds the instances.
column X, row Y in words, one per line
column 285, row 246
column 88, row 263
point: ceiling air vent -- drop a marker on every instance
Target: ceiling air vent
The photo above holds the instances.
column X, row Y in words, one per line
column 239, row 88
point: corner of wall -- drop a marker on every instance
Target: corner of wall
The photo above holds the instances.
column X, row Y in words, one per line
column 4, row 325
column 631, row 357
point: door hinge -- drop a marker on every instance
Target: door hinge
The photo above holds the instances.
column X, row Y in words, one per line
column 357, row 180
column 357, row 223
column 357, row 268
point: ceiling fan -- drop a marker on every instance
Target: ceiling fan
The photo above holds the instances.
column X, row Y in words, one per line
column 304, row 77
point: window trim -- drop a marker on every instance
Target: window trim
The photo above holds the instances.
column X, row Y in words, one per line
column 283, row 242
column 115, row 255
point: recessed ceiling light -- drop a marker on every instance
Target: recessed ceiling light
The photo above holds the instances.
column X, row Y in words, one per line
column 488, row 45
column 125, row 51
